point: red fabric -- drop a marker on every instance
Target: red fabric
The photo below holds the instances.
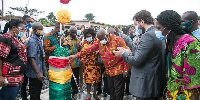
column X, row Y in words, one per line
column 58, row 63
column 14, row 80
column 64, row 1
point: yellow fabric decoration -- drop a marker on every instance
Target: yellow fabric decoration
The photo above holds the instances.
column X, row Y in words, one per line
column 63, row 16
column 187, row 94
column 174, row 95
column 60, row 77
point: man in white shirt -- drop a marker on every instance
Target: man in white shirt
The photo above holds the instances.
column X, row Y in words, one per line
column 2, row 23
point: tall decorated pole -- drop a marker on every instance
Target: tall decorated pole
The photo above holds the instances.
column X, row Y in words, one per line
column 60, row 72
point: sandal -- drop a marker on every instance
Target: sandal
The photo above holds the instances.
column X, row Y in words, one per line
column 96, row 97
column 88, row 97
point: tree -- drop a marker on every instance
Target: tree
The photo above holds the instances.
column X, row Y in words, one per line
column 89, row 17
column 120, row 26
column 106, row 26
column 51, row 18
column 26, row 11
column 10, row 15
column 44, row 21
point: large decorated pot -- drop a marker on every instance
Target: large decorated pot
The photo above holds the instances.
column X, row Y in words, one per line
column 60, row 74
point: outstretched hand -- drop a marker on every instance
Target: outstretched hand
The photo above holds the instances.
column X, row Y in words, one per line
column 119, row 52
column 71, row 57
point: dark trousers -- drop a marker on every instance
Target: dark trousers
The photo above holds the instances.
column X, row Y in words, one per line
column 127, row 80
column 73, row 83
column 35, row 87
column 105, row 87
column 116, row 87
column 23, row 88
column 153, row 98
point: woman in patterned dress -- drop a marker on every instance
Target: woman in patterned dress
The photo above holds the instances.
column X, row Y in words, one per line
column 13, row 59
column 92, row 72
column 184, row 56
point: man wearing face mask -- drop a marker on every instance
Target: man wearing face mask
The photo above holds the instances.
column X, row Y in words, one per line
column 51, row 41
column 81, row 38
column 25, row 38
column 35, row 58
column 147, row 72
column 79, row 32
column 129, row 44
column 74, row 46
column 28, row 24
column 132, row 32
column 116, row 68
column 190, row 20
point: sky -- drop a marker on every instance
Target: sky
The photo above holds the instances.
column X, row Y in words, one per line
column 113, row 12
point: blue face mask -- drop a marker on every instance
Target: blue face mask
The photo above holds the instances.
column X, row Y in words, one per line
column 160, row 36
column 61, row 33
column 78, row 32
column 196, row 34
column 187, row 24
column 89, row 39
column 28, row 25
column 138, row 30
column 20, row 34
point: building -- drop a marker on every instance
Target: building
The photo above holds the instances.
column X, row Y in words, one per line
column 84, row 23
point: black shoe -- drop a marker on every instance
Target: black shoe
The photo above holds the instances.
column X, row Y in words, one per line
column 98, row 93
column 105, row 94
column 73, row 97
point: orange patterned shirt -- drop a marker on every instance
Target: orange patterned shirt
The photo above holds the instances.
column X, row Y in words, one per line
column 114, row 65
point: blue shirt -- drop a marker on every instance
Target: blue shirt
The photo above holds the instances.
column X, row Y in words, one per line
column 196, row 34
column 33, row 51
column 132, row 36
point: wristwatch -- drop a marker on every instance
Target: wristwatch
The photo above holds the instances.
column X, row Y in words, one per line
column 126, row 71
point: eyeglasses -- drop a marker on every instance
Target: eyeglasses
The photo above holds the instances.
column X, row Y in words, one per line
column 21, row 29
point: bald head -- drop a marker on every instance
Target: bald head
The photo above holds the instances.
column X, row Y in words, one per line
column 72, row 29
column 101, row 34
column 57, row 27
column 190, row 15
column 57, row 24
column 78, row 28
column 37, row 26
column 111, row 30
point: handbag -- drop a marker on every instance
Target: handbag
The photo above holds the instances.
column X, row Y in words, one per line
column 99, row 61
column 44, row 67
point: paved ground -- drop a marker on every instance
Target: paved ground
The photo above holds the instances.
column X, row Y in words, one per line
column 45, row 93
column 45, row 96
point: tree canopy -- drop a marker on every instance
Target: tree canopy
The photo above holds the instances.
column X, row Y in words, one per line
column 89, row 17
column 44, row 21
column 51, row 18
column 26, row 11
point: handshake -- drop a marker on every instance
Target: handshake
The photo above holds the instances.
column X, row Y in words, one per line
column 121, row 50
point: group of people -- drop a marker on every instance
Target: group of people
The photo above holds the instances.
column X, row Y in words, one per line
column 155, row 58
column 163, row 56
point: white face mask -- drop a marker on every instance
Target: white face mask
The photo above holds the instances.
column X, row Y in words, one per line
column 89, row 39
column 78, row 32
column 104, row 41
column 138, row 31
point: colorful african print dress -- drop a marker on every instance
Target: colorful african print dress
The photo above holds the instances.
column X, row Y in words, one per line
column 13, row 54
column 92, row 72
column 59, row 70
column 185, row 69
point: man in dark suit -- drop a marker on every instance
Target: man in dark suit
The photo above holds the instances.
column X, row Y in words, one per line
column 147, row 80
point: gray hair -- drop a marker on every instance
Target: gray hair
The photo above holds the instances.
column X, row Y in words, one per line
column 72, row 28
